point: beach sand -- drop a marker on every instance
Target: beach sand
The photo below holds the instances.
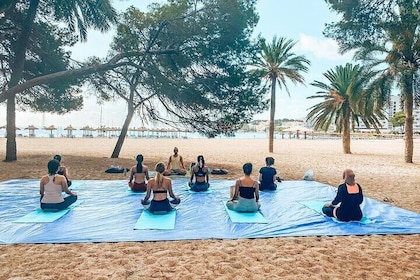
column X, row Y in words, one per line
column 378, row 164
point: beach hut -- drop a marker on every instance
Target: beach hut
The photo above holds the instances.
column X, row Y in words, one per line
column 70, row 131
column 31, row 130
column 51, row 128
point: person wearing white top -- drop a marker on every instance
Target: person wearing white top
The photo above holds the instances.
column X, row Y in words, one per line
column 51, row 187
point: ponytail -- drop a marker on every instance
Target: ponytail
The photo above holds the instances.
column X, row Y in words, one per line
column 139, row 159
column 159, row 179
column 160, row 168
column 200, row 161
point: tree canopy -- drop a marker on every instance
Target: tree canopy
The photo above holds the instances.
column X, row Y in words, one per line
column 32, row 48
column 193, row 69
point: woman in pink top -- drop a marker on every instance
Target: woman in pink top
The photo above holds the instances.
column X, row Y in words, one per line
column 51, row 188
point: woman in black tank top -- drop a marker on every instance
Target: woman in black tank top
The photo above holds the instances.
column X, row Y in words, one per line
column 244, row 195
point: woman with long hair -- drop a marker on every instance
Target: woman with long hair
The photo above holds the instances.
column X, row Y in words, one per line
column 201, row 173
column 139, row 176
column 160, row 186
column 51, row 187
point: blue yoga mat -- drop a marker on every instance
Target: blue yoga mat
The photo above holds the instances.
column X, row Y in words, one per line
column 317, row 207
column 246, row 218
column 131, row 192
column 148, row 220
column 41, row 216
column 206, row 191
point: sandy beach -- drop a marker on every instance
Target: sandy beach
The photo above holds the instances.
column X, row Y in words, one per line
column 378, row 164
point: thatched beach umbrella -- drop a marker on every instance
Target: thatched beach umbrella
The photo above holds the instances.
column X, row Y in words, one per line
column 87, row 131
column 101, row 131
column 51, row 128
column 70, row 131
column 31, row 130
column 5, row 127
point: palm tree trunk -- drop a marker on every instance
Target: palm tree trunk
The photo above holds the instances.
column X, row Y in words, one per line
column 272, row 114
column 408, row 127
column 346, row 136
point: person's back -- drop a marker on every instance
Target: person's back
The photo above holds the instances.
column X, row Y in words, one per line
column 245, row 193
column 160, row 186
column 160, row 191
column 346, row 204
column 51, row 187
column 201, row 174
column 268, row 175
column 349, row 209
column 52, row 191
column 139, row 175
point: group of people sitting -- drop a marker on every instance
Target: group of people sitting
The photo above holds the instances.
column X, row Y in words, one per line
column 244, row 195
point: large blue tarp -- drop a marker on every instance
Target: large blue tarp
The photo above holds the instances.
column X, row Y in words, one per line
column 109, row 212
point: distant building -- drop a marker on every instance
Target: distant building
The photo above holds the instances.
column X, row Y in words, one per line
column 395, row 105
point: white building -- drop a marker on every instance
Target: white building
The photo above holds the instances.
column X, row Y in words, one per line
column 395, row 106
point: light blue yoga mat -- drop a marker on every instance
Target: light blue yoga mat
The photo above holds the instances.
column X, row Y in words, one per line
column 246, row 218
column 131, row 192
column 193, row 192
column 206, row 191
column 148, row 220
column 317, row 207
column 41, row 216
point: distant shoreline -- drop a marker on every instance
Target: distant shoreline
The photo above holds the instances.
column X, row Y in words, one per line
column 238, row 135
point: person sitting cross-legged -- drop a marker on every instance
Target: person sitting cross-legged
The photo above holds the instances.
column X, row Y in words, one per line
column 346, row 205
column 160, row 186
column 139, row 176
column 175, row 164
column 51, row 187
column 201, row 173
column 268, row 175
column 244, row 195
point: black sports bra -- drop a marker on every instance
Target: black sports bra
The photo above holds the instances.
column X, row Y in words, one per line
column 159, row 191
column 246, row 192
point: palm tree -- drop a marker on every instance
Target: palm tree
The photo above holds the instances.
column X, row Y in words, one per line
column 277, row 64
column 348, row 97
column 385, row 35
column 403, row 64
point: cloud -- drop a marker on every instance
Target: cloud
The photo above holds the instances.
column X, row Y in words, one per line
column 322, row 48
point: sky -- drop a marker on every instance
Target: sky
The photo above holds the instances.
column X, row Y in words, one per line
column 302, row 21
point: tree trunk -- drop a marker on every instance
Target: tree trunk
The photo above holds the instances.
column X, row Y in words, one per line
column 17, row 72
column 408, row 127
column 346, row 136
column 123, row 134
column 11, row 149
column 272, row 114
